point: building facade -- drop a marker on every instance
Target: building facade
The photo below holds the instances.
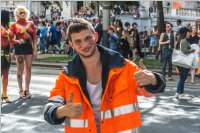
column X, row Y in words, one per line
column 37, row 9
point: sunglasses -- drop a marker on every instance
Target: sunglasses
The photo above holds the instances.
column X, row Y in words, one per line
column 22, row 13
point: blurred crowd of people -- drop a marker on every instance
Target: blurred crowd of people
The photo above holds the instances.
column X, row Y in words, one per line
column 52, row 34
column 126, row 39
column 84, row 12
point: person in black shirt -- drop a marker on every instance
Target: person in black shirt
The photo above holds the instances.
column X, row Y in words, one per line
column 194, row 39
column 124, row 43
column 136, row 40
column 118, row 27
column 132, row 49
column 99, row 29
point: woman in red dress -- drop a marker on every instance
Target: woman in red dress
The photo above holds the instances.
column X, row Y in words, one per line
column 5, row 54
column 23, row 35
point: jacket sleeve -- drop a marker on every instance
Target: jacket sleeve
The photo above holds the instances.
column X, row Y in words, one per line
column 159, row 88
column 185, row 47
column 50, row 114
column 55, row 100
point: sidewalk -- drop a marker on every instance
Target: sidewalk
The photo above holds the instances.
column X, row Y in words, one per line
column 62, row 64
column 51, row 63
column 46, row 64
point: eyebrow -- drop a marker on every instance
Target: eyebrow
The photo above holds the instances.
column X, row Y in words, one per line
column 87, row 37
column 78, row 40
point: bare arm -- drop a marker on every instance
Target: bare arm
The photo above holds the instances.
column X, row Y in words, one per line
column 161, row 40
column 50, row 35
column 175, row 40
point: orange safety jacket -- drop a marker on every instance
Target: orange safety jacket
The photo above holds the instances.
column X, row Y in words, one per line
column 119, row 105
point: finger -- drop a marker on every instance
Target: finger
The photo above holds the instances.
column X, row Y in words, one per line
column 141, row 65
column 140, row 80
column 78, row 108
column 139, row 74
column 143, row 82
column 75, row 115
column 71, row 97
column 78, row 105
column 76, row 111
column 136, row 74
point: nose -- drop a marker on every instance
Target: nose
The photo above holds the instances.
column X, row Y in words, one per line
column 84, row 44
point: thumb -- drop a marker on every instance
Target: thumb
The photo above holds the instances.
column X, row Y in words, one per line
column 141, row 64
column 71, row 97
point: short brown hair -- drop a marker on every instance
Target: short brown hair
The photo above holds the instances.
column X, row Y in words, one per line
column 78, row 25
column 127, row 24
column 169, row 23
column 111, row 28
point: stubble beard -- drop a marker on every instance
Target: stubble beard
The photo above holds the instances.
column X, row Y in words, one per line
column 90, row 55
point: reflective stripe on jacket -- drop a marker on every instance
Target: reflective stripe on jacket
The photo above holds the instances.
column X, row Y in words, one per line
column 119, row 106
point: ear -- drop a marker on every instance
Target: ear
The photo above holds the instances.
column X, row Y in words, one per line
column 96, row 35
column 70, row 43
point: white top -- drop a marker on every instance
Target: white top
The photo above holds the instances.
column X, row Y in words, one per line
column 195, row 62
column 95, row 93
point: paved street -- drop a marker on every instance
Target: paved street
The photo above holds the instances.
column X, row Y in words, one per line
column 27, row 115
column 161, row 114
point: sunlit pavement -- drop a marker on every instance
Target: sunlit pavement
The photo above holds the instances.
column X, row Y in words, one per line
column 166, row 114
column 161, row 114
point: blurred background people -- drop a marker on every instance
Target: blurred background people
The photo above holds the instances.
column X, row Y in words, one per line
column 113, row 39
column 99, row 29
column 23, row 35
column 166, row 42
column 154, row 40
column 194, row 40
column 124, row 42
column 185, row 47
column 5, row 53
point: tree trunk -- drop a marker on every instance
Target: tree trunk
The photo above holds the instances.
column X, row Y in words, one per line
column 106, row 22
column 45, row 12
column 160, row 22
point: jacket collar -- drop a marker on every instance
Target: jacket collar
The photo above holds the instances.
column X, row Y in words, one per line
column 109, row 60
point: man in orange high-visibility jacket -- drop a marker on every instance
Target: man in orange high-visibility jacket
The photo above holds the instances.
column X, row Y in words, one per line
column 97, row 91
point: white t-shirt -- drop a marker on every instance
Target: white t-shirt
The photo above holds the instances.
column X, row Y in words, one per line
column 95, row 93
column 195, row 62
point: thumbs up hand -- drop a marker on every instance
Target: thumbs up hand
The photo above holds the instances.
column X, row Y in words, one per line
column 72, row 110
column 144, row 77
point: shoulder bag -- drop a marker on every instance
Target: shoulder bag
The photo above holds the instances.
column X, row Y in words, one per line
column 181, row 59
